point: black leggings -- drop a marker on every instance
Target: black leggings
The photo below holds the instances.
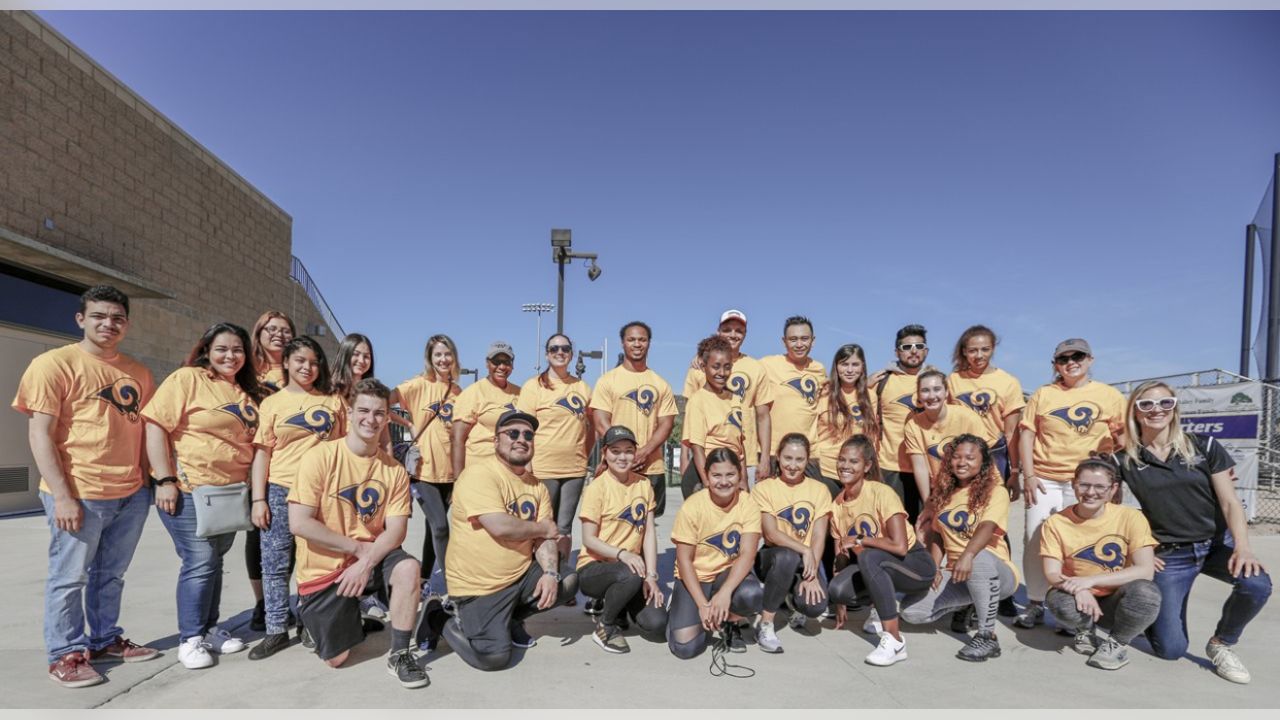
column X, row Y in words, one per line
column 691, row 481
column 882, row 574
column 622, row 592
column 685, row 635
column 434, row 499
column 782, row 569
column 253, row 553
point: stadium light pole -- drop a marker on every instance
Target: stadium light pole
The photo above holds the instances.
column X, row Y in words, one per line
column 562, row 254
column 1273, row 311
column 537, row 343
column 1246, row 324
column 473, row 372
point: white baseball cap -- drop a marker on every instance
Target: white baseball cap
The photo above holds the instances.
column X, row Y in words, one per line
column 733, row 315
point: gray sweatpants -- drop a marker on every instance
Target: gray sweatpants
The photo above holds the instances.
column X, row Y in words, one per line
column 991, row 581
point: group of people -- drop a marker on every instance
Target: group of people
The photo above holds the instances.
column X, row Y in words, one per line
column 806, row 493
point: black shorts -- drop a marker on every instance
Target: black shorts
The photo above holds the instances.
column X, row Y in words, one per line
column 333, row 620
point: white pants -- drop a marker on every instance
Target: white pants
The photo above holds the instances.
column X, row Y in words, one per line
column 1057, row 496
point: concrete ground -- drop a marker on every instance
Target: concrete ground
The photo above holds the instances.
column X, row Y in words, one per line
column 821, row 667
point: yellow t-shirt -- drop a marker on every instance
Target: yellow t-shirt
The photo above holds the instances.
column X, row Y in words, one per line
column 795, row 508
column 925, row 437
column 749, row 383
column 714, row 532
column 993, row 395
column 1096, row 545
column 795, row 397
column 353, row 496
column 426, row 399
column 619, row 512
column 559, row 446
column 956, row 524
column 831, row 437
column 1069, row 424
column 291, row 423
column 272, row 380
column 714, row 420
column 897, row 404
column 636, row 401
column 869, row 513
column 481, row 404
column 477, row 563
column 95, row 403
column 211, row 422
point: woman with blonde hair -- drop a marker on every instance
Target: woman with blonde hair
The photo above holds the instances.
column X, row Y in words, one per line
column 1185, row 484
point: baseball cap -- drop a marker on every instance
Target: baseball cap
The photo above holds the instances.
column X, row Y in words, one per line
column 499, row 347
column 511, row 416
column 1071, row 345
column 734, row 315
column 618, row 433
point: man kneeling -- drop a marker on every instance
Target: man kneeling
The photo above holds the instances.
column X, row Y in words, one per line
column 499, row 525
column 349, row 510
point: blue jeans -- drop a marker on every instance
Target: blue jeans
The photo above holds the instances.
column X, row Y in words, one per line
column 86, row 572
column 1182, row 565
column 200, row 579
column 277, row 560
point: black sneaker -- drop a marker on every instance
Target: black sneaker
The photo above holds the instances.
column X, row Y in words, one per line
column 406, row 669
column 981, row 646
column 269, row 646
column 733, row 637
column 1008, row 608
column 964, row 620
column 258, row 621
column 593, row 606
column 308, row 642
column 521, row 637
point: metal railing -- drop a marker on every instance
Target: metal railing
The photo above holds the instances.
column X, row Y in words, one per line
column 298, row 273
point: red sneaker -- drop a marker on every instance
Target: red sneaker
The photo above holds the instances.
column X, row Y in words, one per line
column 74, row 671
column 126, row 650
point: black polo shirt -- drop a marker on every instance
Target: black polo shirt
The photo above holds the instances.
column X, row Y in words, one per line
column 1177, row 496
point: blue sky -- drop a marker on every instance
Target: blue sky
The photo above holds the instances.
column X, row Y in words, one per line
column 1049, row 174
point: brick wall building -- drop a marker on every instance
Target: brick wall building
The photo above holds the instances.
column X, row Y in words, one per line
column 97, row 186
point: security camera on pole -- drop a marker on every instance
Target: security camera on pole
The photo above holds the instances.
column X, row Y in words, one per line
column 561, row 254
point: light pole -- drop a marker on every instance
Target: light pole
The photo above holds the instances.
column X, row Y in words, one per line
column 581, row 367
column 474, row 373
column 538, row 308
column 562, row 254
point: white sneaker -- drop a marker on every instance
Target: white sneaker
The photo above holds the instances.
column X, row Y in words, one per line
column 193, row 655
column 220, row 641
column 888, row 652
column 766, row 639
column 1226, row 663
column 872, row 626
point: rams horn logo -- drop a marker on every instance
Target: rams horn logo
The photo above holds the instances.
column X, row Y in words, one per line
column 316, row 420
column 644, row 397
column 1080, row 417
column 864, row 524
column 980, row 401
column 523, row 507
column 444, row 412
column 122, row 395
column 366, row 498
column 634, row 514
column 807, row 387
column 957, row 520
column 739, row 385
column 268, row 384
column 247, row 414
column 936, row 450
column 509, row 406
column 799, row 517
column 1107, row 553
column 728, row 542
column 735, row 418
column 573, row 403
column 909, row 401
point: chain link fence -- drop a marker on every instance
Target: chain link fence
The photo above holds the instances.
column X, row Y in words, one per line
column 1267, row 502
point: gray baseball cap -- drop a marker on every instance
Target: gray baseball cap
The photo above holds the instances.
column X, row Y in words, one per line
column 498, row 347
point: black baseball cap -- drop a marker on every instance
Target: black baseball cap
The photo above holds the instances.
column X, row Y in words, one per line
column 618, row 433
column 511, row 416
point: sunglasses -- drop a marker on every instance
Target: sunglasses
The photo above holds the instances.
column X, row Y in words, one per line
column 500, row 361
column 908, row 347
column 517, row 434
column 559, row 348
column 1075, row 357
column 1146, row 405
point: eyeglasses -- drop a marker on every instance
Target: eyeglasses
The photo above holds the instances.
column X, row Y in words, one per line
column 277, row 331
column 908, row 347
column 1075, row 357
column 517, row 434
column 559, row 348
column 1091, row 489
column 1147, row 405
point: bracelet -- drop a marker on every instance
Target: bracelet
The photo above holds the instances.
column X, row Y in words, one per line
column 651, row 575
column 166, row 480
column 619, row 555
column 258, row 500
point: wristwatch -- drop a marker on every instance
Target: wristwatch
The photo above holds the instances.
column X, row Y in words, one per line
column 554, row 575
column 164, row 480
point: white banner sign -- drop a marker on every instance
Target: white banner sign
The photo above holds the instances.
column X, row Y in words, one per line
column 1231, row 415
